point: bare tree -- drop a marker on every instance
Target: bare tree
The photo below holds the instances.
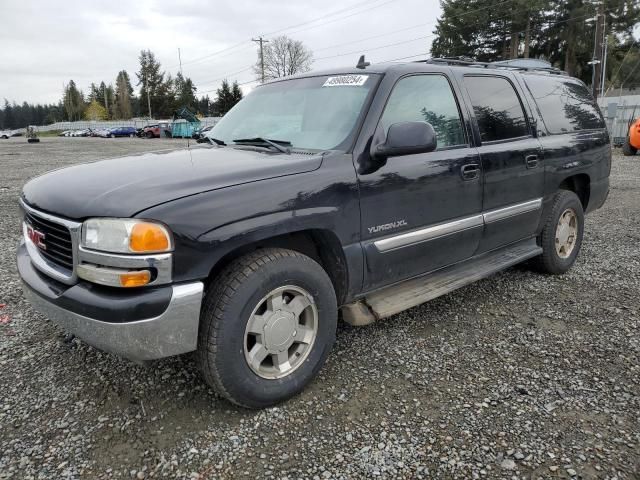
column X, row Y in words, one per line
column 283, row 56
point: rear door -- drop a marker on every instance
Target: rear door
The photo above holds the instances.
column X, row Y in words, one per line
column 512, row 160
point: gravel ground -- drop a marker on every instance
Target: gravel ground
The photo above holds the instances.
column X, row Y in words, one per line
column 517, row 376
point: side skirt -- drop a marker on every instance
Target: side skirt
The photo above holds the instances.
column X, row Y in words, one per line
column 397, row 298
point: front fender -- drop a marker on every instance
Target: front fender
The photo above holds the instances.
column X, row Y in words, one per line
column 210, row 225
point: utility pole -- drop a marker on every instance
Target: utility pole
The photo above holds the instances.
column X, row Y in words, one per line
column 597, row 50
column 105, row 92
column 260, row 40
column 604, row 66
column 146, row 87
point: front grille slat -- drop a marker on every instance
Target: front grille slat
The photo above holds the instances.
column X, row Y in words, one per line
column 54, row 244
column 57, row 241
column 45, row 224
column 57, row 259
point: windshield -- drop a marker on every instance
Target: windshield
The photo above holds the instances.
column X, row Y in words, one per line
column 316, row 113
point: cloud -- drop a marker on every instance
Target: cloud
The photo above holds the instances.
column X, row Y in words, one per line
column 45, row 44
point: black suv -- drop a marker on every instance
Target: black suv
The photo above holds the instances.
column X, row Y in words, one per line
column 366, row 191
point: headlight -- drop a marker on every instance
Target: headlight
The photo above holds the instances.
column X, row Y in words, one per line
column 125, row 236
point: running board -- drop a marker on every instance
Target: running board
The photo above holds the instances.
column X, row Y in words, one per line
column 397, row 298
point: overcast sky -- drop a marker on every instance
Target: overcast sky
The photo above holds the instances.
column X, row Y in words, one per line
column 43, row 44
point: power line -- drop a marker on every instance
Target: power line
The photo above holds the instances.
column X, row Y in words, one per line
column 342, row 18
column 376, row 48
column 226, row 76
column 620, row 67
column 282, row 30
column 331, row 14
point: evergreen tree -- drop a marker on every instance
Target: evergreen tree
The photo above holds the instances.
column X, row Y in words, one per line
column 9, row 121
column 185, row 92
column 124, row 92
column 204, row 106
column 557, row 31
column 153, row 88
column 73, row 101
column 236, row 93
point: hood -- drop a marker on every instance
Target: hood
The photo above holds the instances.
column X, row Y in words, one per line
column 122, row 187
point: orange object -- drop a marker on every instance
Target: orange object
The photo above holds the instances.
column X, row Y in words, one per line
column 135, row 279
column 148, row 237
column 634, row 134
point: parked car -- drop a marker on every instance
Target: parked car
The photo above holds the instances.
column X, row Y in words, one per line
column 122, row 132
column 369, row 190
column 162, row 129
column 199, row 133
column 5, row 134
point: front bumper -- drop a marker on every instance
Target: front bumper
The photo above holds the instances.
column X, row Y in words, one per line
column 114, row 321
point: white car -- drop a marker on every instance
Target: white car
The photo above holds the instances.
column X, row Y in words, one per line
column 5, row 134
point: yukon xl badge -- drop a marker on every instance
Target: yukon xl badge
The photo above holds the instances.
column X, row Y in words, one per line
column 388, row 226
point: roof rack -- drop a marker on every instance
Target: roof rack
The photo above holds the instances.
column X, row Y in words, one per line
column 524, row 64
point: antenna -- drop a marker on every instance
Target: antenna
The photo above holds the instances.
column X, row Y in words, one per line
column 362, row 64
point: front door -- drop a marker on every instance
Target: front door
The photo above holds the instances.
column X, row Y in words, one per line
column 512, row 161
column 421, row 212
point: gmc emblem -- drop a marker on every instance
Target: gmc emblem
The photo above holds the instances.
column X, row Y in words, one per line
column 36, row 237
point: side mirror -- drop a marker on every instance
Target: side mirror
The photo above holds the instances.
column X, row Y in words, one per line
column 406, row 138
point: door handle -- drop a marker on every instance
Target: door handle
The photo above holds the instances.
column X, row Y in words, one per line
column 470, row 171
column 531, row 161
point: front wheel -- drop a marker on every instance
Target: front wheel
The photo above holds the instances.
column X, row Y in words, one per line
column 267, row 326
column 561, row 236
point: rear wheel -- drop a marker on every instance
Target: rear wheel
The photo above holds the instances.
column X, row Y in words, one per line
column 149, row 134
column 267, row 325
column 561, row 236
column 628, row 149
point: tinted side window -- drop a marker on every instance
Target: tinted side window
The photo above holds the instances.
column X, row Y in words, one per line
column 426, row 98
column 565, row 105
column 497, row 107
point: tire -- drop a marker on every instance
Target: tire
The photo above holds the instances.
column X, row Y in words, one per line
column 110, row 135
column 149, row 134
column 627, row 149
column 567, row 205
column 224, row 340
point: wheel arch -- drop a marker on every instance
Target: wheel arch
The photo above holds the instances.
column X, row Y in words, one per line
column 580, row 184
column 321, row 245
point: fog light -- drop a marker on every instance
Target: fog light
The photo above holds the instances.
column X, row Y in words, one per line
column 113, row 277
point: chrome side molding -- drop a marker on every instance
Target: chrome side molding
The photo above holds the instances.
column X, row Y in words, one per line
column 455, row 226
column 429, row 233
column 512, row 210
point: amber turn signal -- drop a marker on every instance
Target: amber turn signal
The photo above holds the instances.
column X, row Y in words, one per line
column 149, row 237
column 135, row 279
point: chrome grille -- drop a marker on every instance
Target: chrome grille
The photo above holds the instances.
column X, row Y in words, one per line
column 59, row 256
column 57, row 241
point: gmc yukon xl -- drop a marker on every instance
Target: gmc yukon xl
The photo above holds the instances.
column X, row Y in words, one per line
column 356, row 192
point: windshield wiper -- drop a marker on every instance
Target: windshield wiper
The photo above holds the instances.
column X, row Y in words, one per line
column 215, row 141
column 277, row 144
